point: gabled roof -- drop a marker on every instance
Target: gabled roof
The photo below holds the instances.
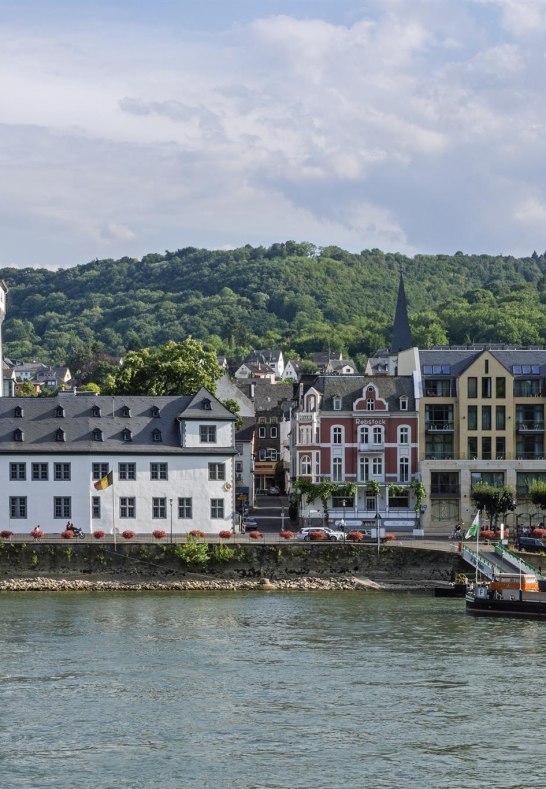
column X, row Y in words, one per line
column 203, row 405
column 349, row 388
column 267, row 355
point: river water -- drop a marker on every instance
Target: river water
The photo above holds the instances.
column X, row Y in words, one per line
column 262, row 690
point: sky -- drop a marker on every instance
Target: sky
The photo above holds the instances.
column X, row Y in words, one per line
column 137, row 126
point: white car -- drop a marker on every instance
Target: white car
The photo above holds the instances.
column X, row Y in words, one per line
column 333, row 536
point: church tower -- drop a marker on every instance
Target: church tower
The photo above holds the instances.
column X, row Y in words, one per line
column 3, row 294
column 401, row 332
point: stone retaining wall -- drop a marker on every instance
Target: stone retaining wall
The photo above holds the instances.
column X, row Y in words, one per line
column 228, row 562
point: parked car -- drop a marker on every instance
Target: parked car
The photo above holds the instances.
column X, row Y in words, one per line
column 250, row 524
column 333, row 536
column 530, row 544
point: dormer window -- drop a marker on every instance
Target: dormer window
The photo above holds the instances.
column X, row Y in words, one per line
column 97, row 435
column 127, row 435
column 59, row 412
column 18, row 435
column 126, row 411
column 59, row 435
column 206, row 404
column 155, row 411
column 337, row 403
column 156, row 435
column 311, row 403
column 403, row 403
column 18, row 411
column 95, row 411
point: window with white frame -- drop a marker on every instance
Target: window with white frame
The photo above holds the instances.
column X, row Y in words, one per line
column 261, row 432
column 371, row 503
column 364, row 435
column 337, row 435
column 273, row 431
column 127, row 471
column 403, row 434
column 370, row 468
column 337, row 469
column 272, row 454
column 17, row 471
column 18, row 506
column 370, row 404
column 377, row 466
column 207, row 434
column 311, row 403
column 100, row 470
column 377, row 434
column 306, row 435
column 217, row 508
column 127, row 507
column 40, row 471
column 95, row 506
column 185, row 508
column 159, row 507
column 217, row 471
column 159, row 471
column 305, row 465
column 363, row 469
column 61, row 472
column 403, row 403
column 337, row 403
column 62, row 507
column 403, row 469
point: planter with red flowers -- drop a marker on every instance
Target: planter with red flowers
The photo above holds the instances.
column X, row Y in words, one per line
column 197, row 533
column 6, row 534
column 355, row 536
column 317, row 535
column 159, row 534
column 98, row 535
column 67, row 535
column 225, row 535
column 255, row 535
column 128, row 534
column 37, row 533
column 286, row 535
column 390, row 536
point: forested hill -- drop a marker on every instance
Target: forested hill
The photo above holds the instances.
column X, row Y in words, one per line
column 294, row 296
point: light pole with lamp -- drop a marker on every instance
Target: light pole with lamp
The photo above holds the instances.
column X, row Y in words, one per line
column 282, row 518
column 344, row 522
column 171, row 506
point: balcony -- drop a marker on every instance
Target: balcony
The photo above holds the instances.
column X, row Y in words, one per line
column 368, row 447
column 529, row 456
column 306, row 417
column 439, row 426
column 530, row 427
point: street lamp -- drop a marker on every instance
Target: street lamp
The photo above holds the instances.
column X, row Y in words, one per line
column 282, row 518
column 171, row 506
column 344, row 504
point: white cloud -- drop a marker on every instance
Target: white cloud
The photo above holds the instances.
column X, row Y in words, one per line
column 416, row 127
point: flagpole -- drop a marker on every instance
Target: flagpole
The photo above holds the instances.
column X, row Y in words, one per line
column 114, row 512
column 477, row 545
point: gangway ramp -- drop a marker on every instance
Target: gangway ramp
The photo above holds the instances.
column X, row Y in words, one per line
column 487, row 562
column 516, row 562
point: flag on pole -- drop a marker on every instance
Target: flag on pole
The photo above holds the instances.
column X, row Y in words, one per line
column 105, row 482
column 474, row 527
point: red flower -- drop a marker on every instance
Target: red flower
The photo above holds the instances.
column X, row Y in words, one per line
column 317, row 535
column 128, row 534
column 197, row 533
column 390, row 536
column 6, row 534
column 98, row 535
column 37, row 533
column 255, row 535
column 225, row 534
column 286, row 535
column 159, row 534
column 68, row 534
column 355, row 536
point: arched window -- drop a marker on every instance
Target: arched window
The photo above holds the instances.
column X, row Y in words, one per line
column 305, row 465
column 337, row 435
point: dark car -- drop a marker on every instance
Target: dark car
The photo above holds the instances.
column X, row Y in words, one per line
column 530, row 544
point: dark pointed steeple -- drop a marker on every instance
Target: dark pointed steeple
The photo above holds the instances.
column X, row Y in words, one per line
column 401, row 332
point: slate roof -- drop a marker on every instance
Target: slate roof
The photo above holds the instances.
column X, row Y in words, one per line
column 39, row 424
column 459, row 359
column 268, row 396
column 246, row 431
column 349, row 388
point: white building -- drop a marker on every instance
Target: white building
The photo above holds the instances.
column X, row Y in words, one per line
column 172, row 460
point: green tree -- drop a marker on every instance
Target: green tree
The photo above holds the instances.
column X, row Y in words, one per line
column 176, row 368
column 537, row 492
column 495, row 500
column 26, row 390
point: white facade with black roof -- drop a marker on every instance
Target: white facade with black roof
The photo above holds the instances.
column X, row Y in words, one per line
column 170, row 457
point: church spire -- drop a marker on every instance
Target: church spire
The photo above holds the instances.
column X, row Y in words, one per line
column 401, row 332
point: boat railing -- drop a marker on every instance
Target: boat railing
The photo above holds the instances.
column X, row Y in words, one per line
column 516, row 561
column 479, row 561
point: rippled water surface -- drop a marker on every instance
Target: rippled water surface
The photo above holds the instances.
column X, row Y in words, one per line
column 316, row 690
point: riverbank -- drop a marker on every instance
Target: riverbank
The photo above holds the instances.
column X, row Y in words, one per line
column 77, row 584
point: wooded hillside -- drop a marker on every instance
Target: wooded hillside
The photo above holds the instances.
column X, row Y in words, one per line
column 291, row 295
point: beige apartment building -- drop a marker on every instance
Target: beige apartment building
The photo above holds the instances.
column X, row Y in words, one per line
column 481, row 417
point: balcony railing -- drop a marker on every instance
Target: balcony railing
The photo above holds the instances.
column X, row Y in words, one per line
column 529, row 455
column 439, row 426
column 369, row 447
column 439, row 456
column 530, row 426
column 306, row 417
